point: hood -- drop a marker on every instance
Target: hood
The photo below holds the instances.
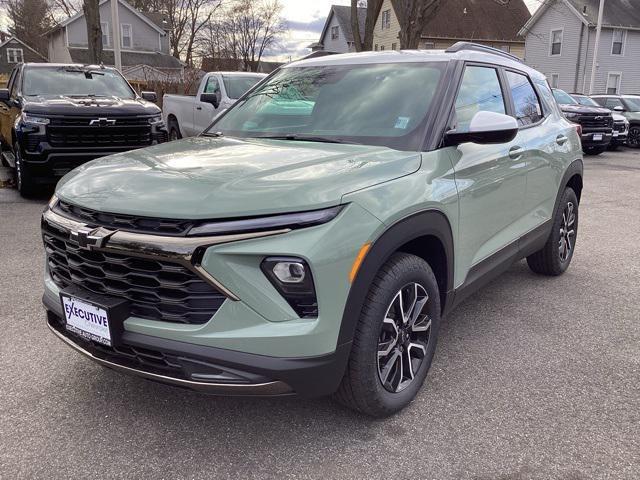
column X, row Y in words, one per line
column 584, row 109
column 617, row 117
column 64, row 105
column 207, row 177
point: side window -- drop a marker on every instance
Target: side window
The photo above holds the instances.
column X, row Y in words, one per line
column 479, row 91
column 212, row 85
column 525, row 100
column 611, row 103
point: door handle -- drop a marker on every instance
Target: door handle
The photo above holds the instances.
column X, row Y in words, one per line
column 561, row 139
column 198, row 108
column 516, row 152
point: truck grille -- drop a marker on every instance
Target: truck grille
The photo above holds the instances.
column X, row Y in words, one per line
column 158, row 226
column 596, row 122
column 157, row 289
column 77, row 132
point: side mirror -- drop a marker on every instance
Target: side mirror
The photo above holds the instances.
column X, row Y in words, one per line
column 4, row 94
column 211, row 98
column 149, row 96
column 619, row 108
column 485, row 128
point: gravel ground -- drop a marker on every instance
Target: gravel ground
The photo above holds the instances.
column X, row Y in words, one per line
column 534, row 378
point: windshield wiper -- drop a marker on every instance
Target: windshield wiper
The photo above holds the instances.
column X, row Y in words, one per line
column 303, row 138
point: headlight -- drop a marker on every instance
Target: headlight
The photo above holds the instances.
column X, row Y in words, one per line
column 287, row 220
column 33, row 120
column 156, row 120
column 572, row 116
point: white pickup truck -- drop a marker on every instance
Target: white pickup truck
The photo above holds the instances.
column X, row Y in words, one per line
column 188, row 115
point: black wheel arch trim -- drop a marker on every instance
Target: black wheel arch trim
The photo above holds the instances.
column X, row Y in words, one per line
column 430, row 222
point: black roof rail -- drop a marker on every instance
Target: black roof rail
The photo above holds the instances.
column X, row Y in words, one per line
column 459, row 46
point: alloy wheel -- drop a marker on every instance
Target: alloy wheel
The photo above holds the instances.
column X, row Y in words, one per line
column 404, row 338
column 567, row 232
column 633, row 140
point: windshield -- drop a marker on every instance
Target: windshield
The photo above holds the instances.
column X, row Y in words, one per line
column 75, row 82
column 563, row 98
column 237, row 86
column 385, row 104
column 633, row 103
column 586, row 101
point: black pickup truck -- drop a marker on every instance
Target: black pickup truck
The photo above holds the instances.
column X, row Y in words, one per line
column 55, row 117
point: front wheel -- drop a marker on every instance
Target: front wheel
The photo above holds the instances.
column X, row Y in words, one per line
column 395, row 338
column 554, row 258
column 633, row 140
column 174, row 130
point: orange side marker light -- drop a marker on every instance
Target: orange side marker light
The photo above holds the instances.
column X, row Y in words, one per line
column 358, row 261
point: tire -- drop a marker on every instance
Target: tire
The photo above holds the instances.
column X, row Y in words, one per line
column 380, row 349
column 554, row 258
column 594, row 150
column 613, row 146
column 23, row 179
column 174, row 130
column 633, row 140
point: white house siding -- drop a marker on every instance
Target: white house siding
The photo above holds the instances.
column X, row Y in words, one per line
column 338, row 45
column 538, row 47
column 388, row 36
column 145, row 37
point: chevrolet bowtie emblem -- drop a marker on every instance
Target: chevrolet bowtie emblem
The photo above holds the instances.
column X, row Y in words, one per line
column 102, row 122
column 90, row 238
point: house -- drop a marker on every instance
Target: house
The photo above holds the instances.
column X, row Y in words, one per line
column 14, row 51
column 489, row 22
column 144, row 42
column 337, row 34
column 560, row 42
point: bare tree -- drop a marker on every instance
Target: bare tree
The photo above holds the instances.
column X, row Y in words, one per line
column 413, row 15
column 373, row 10
column 91, row 10
column 187, row 18
column 65, row 8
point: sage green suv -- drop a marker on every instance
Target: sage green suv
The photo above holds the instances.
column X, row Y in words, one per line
column 310, row 241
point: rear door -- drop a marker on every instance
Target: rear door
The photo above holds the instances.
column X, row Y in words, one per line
column 491, row 179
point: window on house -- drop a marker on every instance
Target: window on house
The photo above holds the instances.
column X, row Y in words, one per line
column 125, row 34
column 525, row 100
column 555, row 78
column 479, row 91
column 618, row 42
column 613, row 83
column 505, row 48
column 394, row 46
column 556, row 42
column 335, row 33
column 386, row 19
column 106, row 34
column 14, row 55
column 375, row 47
column 381, row 47
column 429, row 45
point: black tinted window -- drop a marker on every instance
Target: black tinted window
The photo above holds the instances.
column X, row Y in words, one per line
column 479, row 91
column 525, row 100
column 613, row 103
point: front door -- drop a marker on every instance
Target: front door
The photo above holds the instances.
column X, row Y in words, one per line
column 491, row 179
column 205, row 112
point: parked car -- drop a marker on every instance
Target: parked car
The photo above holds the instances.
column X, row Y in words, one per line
column 54, row 117
column 629, row 106
column 620, row 122
column 317, row 253
column 188, row 115
column 596, row 122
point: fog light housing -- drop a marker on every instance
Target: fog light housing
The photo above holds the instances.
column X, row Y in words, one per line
column 292, row 278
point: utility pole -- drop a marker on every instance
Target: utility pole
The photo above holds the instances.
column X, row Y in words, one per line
column 115, row 28
column 596, row 47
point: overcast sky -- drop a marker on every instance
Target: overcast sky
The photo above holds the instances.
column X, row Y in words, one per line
column 306, row 19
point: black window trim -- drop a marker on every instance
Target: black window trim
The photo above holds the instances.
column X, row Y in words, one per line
column 545, row 111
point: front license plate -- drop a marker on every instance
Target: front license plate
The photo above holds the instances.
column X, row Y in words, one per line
column 87, row 320
column 615, row 134
column 597, row 137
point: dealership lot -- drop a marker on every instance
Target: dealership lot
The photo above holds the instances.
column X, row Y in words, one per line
column 534, row 378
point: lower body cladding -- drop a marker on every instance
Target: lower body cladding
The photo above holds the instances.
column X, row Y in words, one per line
column 255, row 343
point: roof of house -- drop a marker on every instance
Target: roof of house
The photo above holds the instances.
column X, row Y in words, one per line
column 478, row 20
column 16, row 39
column 617, row 13
column 343, row 15
column 152, row 59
